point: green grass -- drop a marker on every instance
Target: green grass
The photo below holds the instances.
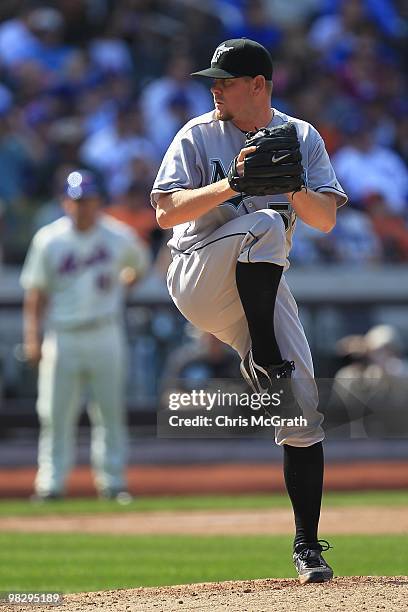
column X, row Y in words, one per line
column 23, row 507
column 79, row 562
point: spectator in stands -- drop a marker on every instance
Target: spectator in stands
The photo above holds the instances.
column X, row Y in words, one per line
column 311, row 246
column 158, row 98
column 150, row 34
column 17, row 42
column 2, row 210
column 211, row 17
column 364, row 167
column 384, row 351
column 386, row 378
column 383, row 124
column 391, row 228
column 133, row 208
column 51, row 209
column 372, row 388
column 50, row 52
column 335, row 34
column 288, row 15
column 257, row 25
column 352, row 351
column 382, row 12
column 369, row 393
column 347, row 404
column 97, row 110
column 198, row 363
column 401, row 137
column 354, row 238
column 364, row 71
column 110, row 53
column 53, row 142
column 16, row 162
column 111, row 149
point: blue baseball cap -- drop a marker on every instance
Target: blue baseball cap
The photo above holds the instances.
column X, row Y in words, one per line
column 82, row 184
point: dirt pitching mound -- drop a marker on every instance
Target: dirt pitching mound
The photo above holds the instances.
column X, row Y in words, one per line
column 341, row 594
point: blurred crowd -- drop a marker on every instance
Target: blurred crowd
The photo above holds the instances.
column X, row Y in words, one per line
column 105, row 84
column 369, row 391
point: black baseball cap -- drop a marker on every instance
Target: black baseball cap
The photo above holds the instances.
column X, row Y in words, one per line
column 239, row 57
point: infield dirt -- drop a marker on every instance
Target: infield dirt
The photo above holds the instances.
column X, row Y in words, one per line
column 360, row 520
column 354, row 593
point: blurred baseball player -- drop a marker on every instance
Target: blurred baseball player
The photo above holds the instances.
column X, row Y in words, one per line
column 230, row 248
column 75, row 271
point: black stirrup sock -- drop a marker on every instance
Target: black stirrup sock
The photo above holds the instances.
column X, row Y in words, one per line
column 257, row 285
column 303, row 472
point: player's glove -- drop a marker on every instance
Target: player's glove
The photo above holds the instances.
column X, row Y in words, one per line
column 276, row 165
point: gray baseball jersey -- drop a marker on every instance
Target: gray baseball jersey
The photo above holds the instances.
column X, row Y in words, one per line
column 202, row 152
column 201, row 277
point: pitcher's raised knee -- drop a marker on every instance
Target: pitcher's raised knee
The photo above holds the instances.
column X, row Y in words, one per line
column 265, row 240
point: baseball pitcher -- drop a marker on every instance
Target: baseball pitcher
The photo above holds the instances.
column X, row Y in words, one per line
column 232, row 185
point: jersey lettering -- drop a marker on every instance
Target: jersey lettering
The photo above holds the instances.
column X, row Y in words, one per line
column 104, row 282
column 72, row 263
column 286, row 212
column 218, row 170
column 218, row 173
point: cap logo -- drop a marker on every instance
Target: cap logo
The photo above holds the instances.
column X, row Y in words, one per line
column 219, row 51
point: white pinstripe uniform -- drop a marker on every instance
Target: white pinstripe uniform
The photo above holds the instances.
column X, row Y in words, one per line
column 201, row 277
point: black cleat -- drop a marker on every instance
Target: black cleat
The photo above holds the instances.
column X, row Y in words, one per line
column 262, row 379
column 309, row 563
column 271, row 380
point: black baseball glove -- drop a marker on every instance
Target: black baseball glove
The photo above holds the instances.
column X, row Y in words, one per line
column 276, row 165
